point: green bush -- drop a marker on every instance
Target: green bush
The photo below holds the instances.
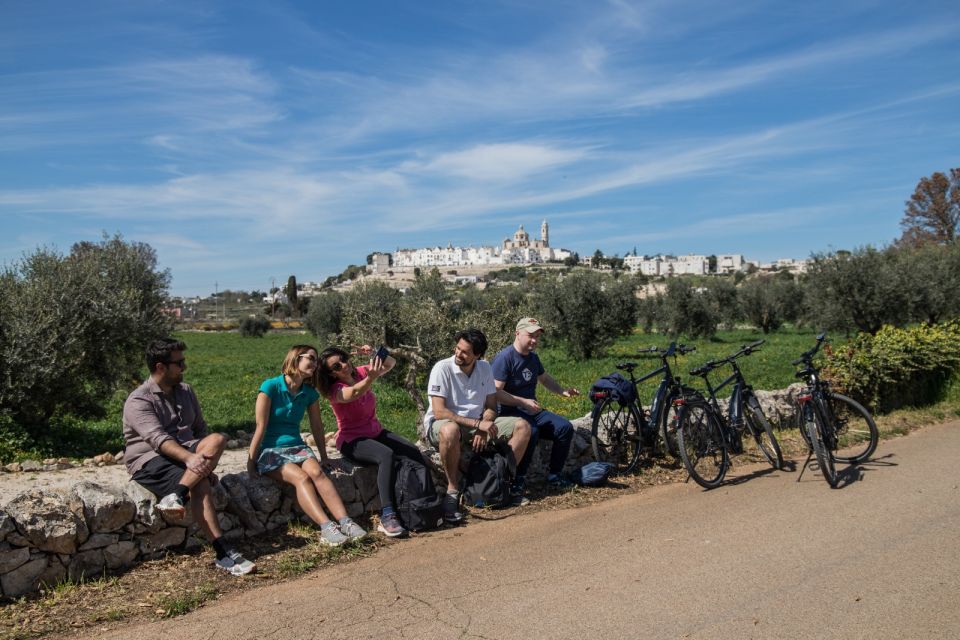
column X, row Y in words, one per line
column 587, row 311
column 73, row 329
column 255, row 327
column 898, row 367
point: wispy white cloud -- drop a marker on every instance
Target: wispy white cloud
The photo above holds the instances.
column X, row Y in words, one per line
column 501, row 162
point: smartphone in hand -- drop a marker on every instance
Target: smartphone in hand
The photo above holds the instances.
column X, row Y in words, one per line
column 381, row 353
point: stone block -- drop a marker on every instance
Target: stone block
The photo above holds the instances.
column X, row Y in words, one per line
column 100, row 540
column 240, row 504
column 163, row 539
column 10, row 560
column 104, row 508
column 221, row 498
column 264, row 494
column 24, row 579
column 147, row 519
column 86, row 564
column 31, row 465
column 7, row 525
column 120, row 555
column 50, row 520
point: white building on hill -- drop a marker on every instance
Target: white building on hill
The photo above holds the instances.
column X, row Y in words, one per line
column 518, row 250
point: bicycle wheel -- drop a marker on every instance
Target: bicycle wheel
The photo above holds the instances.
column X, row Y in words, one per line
column 615, row 435
column 700, row 440
column 667, row 427
column 761, row 430
column 856, row 431
column 819, row 441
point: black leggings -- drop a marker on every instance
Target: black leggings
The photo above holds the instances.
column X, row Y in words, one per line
column 380, row 451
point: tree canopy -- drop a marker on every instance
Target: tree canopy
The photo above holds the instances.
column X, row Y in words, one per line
column 932, row 213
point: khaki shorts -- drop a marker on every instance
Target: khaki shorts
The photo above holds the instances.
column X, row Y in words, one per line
column 505, row 427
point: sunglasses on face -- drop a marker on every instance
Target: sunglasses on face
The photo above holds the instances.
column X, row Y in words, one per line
column 309, row 356
column 182, row 362
column 340, row 364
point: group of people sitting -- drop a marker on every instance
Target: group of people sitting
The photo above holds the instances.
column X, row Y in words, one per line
column 473, row 403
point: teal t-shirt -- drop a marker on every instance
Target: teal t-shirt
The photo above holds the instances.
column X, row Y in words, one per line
column 286, row 412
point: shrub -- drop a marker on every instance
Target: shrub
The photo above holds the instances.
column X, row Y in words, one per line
column 687, row 310
column 587, row 310
column 898, row 367
column 254, row 327
column 73, row 328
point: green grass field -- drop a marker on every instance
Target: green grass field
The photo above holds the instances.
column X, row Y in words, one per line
column 226, row 370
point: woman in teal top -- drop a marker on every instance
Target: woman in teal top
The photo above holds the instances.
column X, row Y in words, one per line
column 278, row 451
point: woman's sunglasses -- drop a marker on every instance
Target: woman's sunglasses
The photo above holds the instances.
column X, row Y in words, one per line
column 340, row 364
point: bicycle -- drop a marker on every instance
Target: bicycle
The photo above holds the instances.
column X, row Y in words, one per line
column 619, row 430
column 832, row 421
column 706, row 438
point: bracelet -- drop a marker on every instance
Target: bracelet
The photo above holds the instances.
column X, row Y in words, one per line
column 477, row 425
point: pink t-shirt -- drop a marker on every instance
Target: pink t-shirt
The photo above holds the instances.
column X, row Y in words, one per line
column 357, row 419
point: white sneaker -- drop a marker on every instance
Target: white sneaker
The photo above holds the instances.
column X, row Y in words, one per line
column 172, row 506
column 236, row 564
column 331, row 535
column 352, row 530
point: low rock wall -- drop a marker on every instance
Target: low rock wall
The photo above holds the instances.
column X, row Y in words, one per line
column 47, row 537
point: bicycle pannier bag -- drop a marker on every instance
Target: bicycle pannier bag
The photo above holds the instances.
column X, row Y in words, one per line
column 613, row 386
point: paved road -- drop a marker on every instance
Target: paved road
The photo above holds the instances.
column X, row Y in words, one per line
column 764, row 557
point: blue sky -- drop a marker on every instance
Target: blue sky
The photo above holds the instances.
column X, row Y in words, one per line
column 250, row 141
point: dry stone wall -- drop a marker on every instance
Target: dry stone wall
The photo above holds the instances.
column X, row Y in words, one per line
column 47, row 537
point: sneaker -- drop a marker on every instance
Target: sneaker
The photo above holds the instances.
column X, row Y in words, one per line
column 352, row 530
column 451, row 510
column 557, row 481
column 390, row 526
column 331, row 535
column 171, row 506
column 518, row 494
column 518, row 499
column 235, row 564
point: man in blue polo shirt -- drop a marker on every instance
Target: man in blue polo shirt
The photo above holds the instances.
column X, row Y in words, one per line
column 517, row 371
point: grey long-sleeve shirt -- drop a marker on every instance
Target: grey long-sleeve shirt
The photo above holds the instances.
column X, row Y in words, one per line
column 149, row 419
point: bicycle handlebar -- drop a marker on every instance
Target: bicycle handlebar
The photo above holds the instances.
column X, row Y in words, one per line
column 807, row 356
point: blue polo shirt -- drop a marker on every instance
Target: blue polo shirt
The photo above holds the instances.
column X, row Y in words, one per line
column 519, row 373
column 286, row 412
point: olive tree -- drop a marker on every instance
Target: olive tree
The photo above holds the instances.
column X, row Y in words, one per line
column 73, row 328
column 587, row 310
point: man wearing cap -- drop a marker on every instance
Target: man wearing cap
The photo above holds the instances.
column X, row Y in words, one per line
column 516, row 372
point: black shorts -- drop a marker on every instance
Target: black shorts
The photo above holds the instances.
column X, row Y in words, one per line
column 161, row 475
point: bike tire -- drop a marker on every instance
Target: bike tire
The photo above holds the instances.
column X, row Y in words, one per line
column 857, row 433
column 761, row 430
column 615, row 435
column 819, row 441
column 667, row 427
column 701, row 444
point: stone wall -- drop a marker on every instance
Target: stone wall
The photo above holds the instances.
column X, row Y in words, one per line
column 47, row 537
column 50, row 536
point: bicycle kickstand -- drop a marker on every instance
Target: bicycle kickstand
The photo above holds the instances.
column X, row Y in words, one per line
column 804, row 468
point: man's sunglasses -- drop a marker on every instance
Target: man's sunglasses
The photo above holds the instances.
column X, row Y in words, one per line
column 182, row 362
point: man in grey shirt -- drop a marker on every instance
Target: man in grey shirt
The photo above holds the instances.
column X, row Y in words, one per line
column 169, row 450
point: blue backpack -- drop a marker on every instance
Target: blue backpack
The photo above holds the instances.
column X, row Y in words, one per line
column 593, row 474
column 613, row 386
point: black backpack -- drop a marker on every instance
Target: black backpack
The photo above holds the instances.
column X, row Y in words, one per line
column 415, row 496
column 486, row 482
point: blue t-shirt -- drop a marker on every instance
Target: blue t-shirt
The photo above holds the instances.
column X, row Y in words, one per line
column 286, row 412
column 520, row 373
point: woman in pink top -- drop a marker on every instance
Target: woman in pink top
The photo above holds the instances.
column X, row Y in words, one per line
column 360, row 436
